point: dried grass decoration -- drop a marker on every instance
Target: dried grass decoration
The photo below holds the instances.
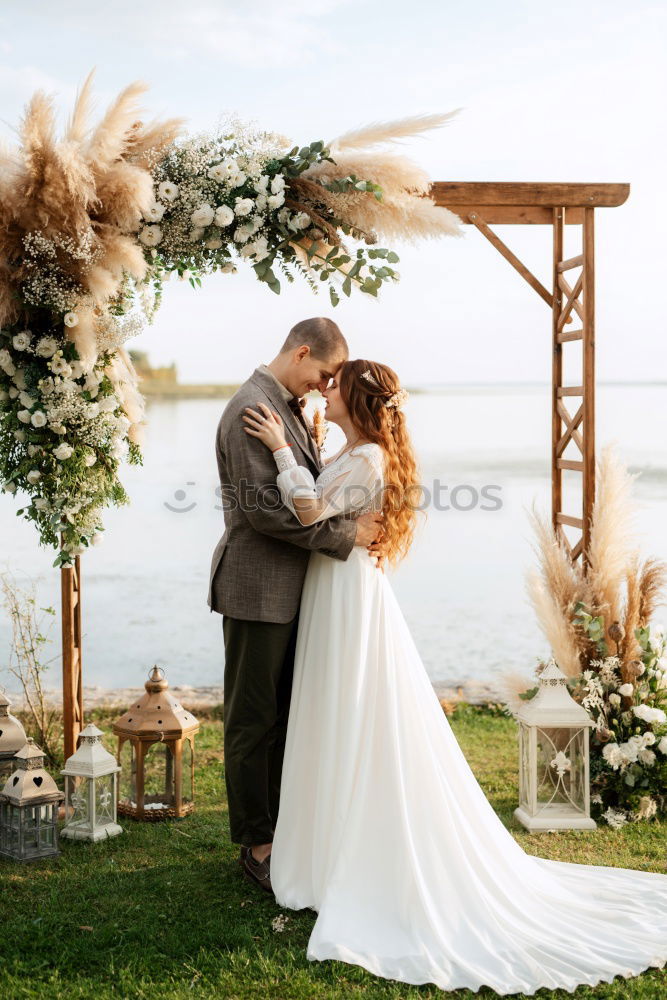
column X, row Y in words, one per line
column 93, row 223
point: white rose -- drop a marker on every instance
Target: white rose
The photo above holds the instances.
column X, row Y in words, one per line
column 22, row 340
column 150, row 236
column 24, row 416
column 38, row 418
column 648, row 738
column 46, row 347
column 224, row 216
column 6, row 362
column 218, row 172
column 242, row 233
column 195, row 235
column 77, row 369
column 4, row 396
column 238, row 179
column 229, row 166
column 276, row 200
column 261, row 185
column 90, row 460
column 213, row 244
column 649, row 714
column 626, row 690
column 32, row 450
column 203, row 216
column 662, row 745
column 20, row 436
column 260, row 202
column 243, row 206
column 300, row 220
column 41, row 503
column 19, row 378
column 11, row 488
column 26, row 399
column 13, row 392
column 59, row 366
column 71, row 319
column 647, row 757
column 92, row 410
column 278, row 184
column 615, row 700
column 108, row 404
column 63, row 451
column 154, row 213
column 34, row 476
column 168, row 191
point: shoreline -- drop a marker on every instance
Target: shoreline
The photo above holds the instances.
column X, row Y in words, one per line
column 207, row 697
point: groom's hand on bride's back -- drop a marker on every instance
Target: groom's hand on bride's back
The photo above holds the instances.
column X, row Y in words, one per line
column 369, row 530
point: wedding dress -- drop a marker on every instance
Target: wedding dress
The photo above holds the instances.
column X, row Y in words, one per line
column 383, row 829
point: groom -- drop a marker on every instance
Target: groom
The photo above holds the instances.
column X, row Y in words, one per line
column 257, row 573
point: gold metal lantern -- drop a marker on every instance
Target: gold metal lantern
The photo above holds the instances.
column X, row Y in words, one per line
column 156, row 754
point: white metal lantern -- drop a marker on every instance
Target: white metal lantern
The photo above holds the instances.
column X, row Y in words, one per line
column 12, row 738
column 28, row 809
column 554, row 789
column 91, row 790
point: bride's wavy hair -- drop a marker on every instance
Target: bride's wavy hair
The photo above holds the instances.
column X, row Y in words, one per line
column 366, row 399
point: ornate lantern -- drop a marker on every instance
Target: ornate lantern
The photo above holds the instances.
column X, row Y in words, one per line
column 554, row 790
column 29, row 809
column 91, row 790
column 12, row 738
column 156, row 754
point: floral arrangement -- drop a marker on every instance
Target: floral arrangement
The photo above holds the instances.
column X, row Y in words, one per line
column 598, row 621
column 93, row 224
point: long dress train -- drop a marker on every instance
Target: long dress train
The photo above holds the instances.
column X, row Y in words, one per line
column 383, row 829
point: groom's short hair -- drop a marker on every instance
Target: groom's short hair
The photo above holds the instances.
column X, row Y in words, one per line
column 322, row 335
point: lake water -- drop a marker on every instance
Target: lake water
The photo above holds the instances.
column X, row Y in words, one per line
column 461, row 589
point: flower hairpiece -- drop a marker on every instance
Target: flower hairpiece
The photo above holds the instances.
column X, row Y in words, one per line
column 394, row 401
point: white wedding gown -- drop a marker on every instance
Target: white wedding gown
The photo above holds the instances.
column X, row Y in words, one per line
column 383, row 828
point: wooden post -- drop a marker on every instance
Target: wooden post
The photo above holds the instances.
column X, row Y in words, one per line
column 588, row 375
column 556, row 368
column 70, row 586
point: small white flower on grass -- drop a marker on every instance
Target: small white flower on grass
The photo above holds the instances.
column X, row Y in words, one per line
column 279, row 923
column 223, row 216
column 626, row 690
column 596, row 799
column 34, row 476
column 71, row 319
column 21, row 341
column 648, row 807
column 616, row 818
column 63, row 451
column 168, row 190
column 46, row 347
column 150, row 236
column 38, row 419
column 203, row 216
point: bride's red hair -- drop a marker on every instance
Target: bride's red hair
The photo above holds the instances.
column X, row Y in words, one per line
column 366, row 401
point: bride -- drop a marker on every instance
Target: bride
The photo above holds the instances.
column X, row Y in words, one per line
column 383, row 829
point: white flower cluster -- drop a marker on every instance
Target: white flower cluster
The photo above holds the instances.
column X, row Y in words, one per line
column 58, row 418
column 214, row 196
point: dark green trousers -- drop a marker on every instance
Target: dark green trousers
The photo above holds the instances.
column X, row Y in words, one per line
column 259, row 665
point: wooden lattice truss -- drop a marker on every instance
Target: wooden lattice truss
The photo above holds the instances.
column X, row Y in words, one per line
column 572, row 304
column 572, row 295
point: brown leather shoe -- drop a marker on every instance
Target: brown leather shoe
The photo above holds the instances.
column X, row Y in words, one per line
column 258, row 871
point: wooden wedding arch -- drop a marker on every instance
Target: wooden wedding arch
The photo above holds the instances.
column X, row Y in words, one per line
column 571, row 294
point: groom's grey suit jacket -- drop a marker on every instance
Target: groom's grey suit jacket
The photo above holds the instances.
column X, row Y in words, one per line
column 259, row 564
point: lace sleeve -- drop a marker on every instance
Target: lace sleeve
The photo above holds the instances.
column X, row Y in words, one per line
column 349, row 485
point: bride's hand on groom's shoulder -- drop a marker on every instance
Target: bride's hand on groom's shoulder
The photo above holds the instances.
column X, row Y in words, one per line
column 265, row 424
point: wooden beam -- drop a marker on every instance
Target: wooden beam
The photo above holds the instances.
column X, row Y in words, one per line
column 588, row 426
column 558, row 222
column 567, row 265
column 547, row 195
column 512, row 258
column 514, row 215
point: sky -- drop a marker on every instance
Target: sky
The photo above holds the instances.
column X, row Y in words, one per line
column 568, row 94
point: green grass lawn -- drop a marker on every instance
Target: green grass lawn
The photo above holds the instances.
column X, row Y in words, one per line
column 163, row 911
